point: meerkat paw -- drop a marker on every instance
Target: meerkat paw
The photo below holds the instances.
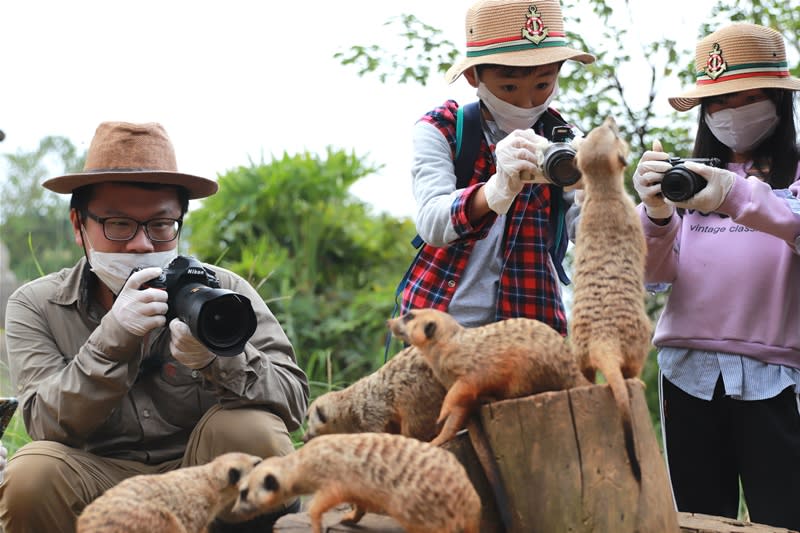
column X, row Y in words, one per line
column 353, row 517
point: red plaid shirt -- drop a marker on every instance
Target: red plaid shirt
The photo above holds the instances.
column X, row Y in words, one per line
column 528, row 286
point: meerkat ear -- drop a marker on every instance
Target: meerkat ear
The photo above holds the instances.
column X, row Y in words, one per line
column 271, row 483
column 323, row 419
column 430, row 329
column 408, row 317
column 234, row 475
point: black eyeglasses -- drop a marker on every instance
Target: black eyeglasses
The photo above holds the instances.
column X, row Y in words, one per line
column 124, row 228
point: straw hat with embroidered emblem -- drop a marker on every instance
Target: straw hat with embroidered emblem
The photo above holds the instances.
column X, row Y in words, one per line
column 516, row 34
column 122, row 151
column 735, row 58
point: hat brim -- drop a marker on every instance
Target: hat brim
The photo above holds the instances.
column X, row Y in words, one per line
column 530, row 58
column 691, row 98
column 198, row 187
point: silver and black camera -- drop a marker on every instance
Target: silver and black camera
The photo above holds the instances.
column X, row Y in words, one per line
column 679, row 183
column 221, row 319
column 559, row 159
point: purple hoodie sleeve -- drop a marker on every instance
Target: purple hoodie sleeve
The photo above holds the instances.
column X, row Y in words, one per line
column 754, row 204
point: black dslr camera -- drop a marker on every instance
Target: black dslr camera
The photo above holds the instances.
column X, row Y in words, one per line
column 221, row 319
column 559, row 165
column 679, row 183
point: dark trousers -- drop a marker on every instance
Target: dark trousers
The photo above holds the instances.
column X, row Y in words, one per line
column 710, row 445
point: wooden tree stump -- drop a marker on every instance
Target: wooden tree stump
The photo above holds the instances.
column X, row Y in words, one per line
column 561, row 458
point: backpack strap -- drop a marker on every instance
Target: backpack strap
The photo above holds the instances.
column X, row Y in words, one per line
column 468, row 142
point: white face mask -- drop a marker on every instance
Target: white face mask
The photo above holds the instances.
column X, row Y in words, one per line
column 508, row 116
column 743, row 128
column 113, row 269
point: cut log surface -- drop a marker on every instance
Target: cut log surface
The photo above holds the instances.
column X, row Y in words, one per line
column 703, row 523
column 372, row 523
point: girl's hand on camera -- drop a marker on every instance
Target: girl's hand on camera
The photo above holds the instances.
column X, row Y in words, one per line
column 709, row 199
column 647, row 182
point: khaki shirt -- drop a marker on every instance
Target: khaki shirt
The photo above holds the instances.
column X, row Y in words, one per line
column 86, row 382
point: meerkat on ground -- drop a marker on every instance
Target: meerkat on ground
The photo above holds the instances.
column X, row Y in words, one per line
column 609, row 329
column 185, row 500
column 506, row 359
column 403, row 397
column 423, row 487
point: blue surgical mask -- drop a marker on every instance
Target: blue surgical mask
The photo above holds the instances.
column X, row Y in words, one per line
column 509, row 117
column 743, row 128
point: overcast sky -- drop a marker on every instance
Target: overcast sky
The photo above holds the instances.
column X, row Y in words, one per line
column 234, row 81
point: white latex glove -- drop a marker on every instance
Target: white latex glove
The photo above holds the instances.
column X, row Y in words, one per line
column 139, row 311
column 647, row 182
column 519, row 157
column 709, row 199
column 3, row 462
column 187, row 350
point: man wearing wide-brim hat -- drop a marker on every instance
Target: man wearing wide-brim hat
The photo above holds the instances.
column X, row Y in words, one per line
column 108, row 387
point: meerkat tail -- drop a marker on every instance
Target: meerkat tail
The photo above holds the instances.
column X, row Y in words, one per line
column 603, row 355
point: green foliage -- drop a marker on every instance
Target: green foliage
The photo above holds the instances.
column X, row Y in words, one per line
column 34, row 222
column 422, row 50
column 327, row 267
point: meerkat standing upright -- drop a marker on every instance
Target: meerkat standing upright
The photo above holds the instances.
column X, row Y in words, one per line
column 609, row 329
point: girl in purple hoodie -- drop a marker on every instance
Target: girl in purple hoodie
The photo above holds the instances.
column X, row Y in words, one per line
column 724, row 238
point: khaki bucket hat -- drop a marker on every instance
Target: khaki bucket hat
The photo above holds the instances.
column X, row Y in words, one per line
column 735, row 58
column 516, row 34
column 123, row 151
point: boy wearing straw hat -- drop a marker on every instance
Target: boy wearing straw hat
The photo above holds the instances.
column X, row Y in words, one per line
column 485, row 256
column 729, row 345
column 107, row 388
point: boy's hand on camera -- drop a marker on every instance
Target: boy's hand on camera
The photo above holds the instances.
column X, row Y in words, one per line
column 518, row 158
column 709, row 199
column 187, row 350
column 139, row 311
column 647, row 182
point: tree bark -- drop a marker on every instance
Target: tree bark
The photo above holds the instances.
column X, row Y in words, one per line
column 562, row 460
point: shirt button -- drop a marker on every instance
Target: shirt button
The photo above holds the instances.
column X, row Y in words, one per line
column 451, row 283
column 195, row 373
column 146, row 413
column 223, row 374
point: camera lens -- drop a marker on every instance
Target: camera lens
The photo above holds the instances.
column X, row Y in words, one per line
column 221, row 319
column 224, row 322
column 679, row 184
column 559, row 165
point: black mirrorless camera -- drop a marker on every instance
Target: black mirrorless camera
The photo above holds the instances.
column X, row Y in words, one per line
column 221, row 319
column 679, row 183
column 559, row 159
